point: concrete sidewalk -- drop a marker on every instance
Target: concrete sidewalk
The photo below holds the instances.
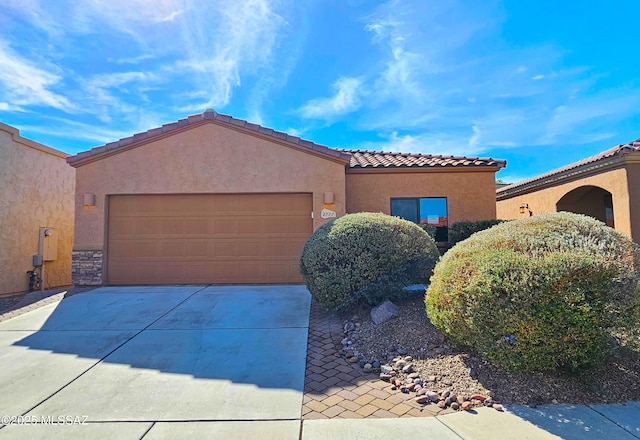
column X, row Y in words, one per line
column 154, row 362
column 571, row 422
column 615, row 422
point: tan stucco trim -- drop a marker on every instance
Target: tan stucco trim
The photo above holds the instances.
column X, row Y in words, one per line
column 567, row 176
column 88, row 247
column 633, row 158
column 15, row 136
column 398, row 170
column 119, row 149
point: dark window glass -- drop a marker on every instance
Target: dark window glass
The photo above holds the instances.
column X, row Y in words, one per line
column 608, row 210
column 424, row 210
column 405, row 208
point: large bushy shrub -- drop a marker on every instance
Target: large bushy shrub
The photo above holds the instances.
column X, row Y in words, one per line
column 462, row 230
column 365, row 255
column 538, row 293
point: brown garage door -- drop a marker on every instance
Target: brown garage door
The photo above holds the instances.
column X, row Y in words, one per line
column 207, row 238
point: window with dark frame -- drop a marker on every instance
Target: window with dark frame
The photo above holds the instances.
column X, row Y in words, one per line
column 424, row 210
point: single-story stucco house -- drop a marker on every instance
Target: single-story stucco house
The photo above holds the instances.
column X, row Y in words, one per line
column 605, row 186
column 215, row 199
column 36, row 212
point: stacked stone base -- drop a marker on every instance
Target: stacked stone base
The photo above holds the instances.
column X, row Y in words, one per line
column 86, row 268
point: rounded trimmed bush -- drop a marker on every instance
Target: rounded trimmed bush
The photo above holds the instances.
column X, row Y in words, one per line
column 538, row 293
column 370, row 255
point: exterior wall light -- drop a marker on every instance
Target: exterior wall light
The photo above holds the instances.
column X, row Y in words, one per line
column 89, row 199
column 525, row 207
column 329, row 198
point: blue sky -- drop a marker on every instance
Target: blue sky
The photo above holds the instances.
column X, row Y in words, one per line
column 538, row 83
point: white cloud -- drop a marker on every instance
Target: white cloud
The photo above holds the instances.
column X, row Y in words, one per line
column 132, row 60
column 72, row 129
column 538, row 77
column 172, row 16
column 345, row 100
column 25, row 83
column 105, row 92
column 237, row 37
column 206, row 47
column 587, row 119
column 437, row 143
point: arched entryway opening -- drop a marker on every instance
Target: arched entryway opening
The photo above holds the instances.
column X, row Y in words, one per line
column 589, row 200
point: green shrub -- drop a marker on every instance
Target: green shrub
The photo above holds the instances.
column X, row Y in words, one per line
column 365, row 255
column 429, row 229
column 538, row 293
column 462, row 230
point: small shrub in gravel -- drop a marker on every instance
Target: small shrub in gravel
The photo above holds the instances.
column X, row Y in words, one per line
column 538, row 293
column 365, row 255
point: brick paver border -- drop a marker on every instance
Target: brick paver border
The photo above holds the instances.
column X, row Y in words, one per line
column 334, row 388
column 35, row 300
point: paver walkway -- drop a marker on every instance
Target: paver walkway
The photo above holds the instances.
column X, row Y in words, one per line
column 334, row 388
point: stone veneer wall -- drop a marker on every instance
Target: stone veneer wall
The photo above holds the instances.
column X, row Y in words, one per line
column 86, row 268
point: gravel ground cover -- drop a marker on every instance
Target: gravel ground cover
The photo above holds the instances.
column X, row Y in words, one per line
column 412, row 339
column 7, row 302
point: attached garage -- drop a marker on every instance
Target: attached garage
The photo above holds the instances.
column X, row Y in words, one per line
column 209, row 199
column 207, row 238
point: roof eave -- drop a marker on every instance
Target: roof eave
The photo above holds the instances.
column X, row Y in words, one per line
column 563, row 176
column 423, row 169
column 182, row 125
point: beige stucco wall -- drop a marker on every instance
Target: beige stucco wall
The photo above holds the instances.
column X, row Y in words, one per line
column 207, row 158
column 36, row 190
column 633, row 184
column 470, row 194
column 545, row 199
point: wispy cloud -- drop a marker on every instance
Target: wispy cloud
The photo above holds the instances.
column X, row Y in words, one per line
column 105, row 91
column 24, row 83
column 199, row 53
column 132, row 60
column 66, row 128
column 237, row 38
column 448, row 144
column 434, row 90
column 345, row 100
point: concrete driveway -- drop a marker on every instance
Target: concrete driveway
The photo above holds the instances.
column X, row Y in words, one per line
column 158, row 362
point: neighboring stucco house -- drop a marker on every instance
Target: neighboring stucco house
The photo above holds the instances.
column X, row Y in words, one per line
column 214, row 199
column 605, row 186
column 36, row 211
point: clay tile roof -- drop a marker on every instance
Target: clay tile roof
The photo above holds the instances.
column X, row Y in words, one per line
column 356, row 158
column 209, row 114
column 577, row 167
column 382, row 159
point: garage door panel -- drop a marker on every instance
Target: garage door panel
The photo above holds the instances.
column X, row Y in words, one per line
column 196, row 249
column 173, row 250
column 122, row 227
column 225, row 249
column 207, row 238
column 196, row 226
column 249, row 226
column 250, row 249
column 145, row 226
column 173, row 226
